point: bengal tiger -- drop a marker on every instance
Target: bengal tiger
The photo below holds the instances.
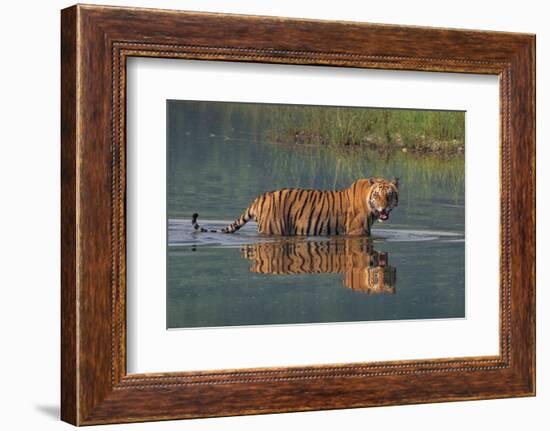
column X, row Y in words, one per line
column 294, row 211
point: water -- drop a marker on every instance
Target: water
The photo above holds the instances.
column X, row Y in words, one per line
column 219, row 161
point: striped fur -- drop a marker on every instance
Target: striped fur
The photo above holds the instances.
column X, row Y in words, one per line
column 314, row 212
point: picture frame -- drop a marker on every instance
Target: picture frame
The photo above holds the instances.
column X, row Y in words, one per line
column 96, row 42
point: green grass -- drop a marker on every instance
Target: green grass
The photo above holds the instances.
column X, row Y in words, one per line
column 388, row 129
column 385, row 129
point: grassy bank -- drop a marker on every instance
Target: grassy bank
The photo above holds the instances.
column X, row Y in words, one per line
column 384, row 129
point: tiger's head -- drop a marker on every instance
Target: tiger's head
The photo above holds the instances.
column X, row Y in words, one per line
column 382, row 197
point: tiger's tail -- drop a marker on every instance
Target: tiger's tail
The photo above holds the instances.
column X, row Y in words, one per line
column 231, row 228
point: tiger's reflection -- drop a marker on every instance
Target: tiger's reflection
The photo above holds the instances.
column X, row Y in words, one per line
column 364, row 269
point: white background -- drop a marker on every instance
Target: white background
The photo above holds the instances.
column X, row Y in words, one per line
column 29, row 225
column 152, row 349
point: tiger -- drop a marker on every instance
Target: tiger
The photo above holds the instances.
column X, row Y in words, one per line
column 307, row 212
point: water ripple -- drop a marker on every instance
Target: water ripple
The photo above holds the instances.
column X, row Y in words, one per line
column 182, row 233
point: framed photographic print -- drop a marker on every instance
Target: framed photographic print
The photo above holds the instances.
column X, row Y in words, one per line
column 265, row 214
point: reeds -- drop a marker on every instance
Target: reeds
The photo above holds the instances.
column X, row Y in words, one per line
column 388, row 129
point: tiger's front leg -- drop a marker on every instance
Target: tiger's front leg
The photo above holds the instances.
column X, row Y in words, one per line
column 359, row 225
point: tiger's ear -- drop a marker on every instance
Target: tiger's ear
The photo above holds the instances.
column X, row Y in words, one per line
column 395, row 181
column 371, row 180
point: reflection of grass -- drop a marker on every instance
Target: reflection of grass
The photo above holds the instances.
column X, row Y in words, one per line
column 345, row 165
column 388, row 129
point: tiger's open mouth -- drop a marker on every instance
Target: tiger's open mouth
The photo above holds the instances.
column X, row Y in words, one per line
column 383, row 215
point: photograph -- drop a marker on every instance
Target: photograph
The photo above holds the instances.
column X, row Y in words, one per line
column 281, row 214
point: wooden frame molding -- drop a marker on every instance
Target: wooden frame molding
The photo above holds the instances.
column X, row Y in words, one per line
column 95, row 43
